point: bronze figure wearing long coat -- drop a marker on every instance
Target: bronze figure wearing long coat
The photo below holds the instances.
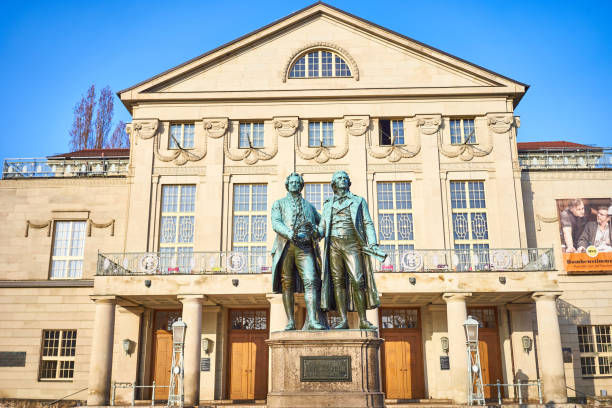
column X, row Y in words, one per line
column 366, row 236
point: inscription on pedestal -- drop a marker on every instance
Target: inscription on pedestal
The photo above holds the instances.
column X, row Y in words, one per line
column 325, row 368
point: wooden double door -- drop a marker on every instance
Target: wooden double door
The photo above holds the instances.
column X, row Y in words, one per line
column 162, row 350
column 488, row 347
column 248, row 354
column 403, row 372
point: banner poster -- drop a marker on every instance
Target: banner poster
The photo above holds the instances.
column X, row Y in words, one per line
column 586, row 234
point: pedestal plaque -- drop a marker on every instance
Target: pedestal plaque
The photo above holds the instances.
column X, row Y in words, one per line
column 333, row 368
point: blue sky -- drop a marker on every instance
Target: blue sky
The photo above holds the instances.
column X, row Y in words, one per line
column 52, row 51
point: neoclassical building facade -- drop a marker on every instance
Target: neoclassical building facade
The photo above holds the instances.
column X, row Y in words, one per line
column 103, row 250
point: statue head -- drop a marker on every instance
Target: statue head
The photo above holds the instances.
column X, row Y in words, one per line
column 340, row 180
column 294, row 183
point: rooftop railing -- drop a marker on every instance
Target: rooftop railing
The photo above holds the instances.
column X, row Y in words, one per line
column 257, row 262
column 566, row 160
column 59, row 167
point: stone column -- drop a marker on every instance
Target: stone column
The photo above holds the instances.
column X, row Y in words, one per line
column 551, row 355
column 278, row 317
column 101, row 351
column 192, row 316
column 456, row 313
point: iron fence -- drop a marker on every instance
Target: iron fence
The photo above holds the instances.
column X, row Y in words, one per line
column 468, row 260
column 54, row 168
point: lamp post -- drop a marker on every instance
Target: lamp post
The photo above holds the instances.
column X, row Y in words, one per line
column 475, row 388
column 176, row 392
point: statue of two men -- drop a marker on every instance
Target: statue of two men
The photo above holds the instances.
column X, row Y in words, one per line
column 343, row 279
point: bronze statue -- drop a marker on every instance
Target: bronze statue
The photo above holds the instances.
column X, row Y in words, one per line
column 295, row 249
column 350, row 241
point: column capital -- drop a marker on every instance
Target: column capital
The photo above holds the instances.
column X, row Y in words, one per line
column 103, row 299
column 551, row 296
column 274, row 298
column 455, row 296
column 191, row 298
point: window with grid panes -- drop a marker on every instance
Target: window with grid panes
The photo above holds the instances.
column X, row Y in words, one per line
column 57, row 354
column 320, row 134
column 317, row 193
column 318, row 64
column 395, row 224
column 399, row 318
column 462, row 131
column 177, row 228
column 470, row 228
column 68, row 245
column 183, row 134
column 250, row 220
column 595, row 345
column 251, row 135
column 391, row 132
column 485, row 316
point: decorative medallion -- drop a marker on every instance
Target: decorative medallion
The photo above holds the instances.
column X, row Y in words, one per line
column 286, row 126
column 215, row 127
column 142, row 128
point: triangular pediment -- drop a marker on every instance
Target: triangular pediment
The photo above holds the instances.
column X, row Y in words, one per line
column 380, row 60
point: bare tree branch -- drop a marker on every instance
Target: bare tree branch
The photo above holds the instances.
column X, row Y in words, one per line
column 119, row 138
column 81, row 132
column 104, row 118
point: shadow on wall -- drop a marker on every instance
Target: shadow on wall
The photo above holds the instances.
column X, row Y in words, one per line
column 571, row 316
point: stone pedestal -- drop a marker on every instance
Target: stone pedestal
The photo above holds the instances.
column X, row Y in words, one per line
column 332, row 368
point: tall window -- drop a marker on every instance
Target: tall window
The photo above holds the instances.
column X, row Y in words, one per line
column 462, row 131
column 320, row 134
column 68, row 244
column 595, row 344
column 470, row 228
column 391, row 132
column 395, row 226
column 181, row 134
column 251, row 135
column 320, row 64
column 249, row 225
column 317, row 193
column 57, row 354
column 177, row 228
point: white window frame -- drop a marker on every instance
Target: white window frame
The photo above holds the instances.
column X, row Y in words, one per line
column 320, row 136
column 597, row 349
column 462, row 129
column 74, row 226
column 176, row 261
column 397, row 129
column 317, row 193
column 253, row 249
column 319, row 69
column 57, row 357
column 251, row 142
column 396, row 245
column 181, row 139
column 475, row 246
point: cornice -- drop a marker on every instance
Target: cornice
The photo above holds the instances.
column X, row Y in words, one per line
column 53, row 182
column 393, row 168
column 179, row 171
column 596, row 174
column 80, row 283
column 233, row 170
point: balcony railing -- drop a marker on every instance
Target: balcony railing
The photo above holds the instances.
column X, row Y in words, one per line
column 182, row 263
column 239, row 262
column 469, row 260
column 54, row 168
column 565, row 160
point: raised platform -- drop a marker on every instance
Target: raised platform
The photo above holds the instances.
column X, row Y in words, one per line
column 330, row 368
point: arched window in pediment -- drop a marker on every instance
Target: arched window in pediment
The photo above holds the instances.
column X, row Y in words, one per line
column 320, row 63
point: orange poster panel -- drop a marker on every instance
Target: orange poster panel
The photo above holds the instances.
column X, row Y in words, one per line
column 583, row 263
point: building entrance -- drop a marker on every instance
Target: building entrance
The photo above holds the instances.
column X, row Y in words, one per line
column 248, row 354
column 162, row 349
column 403, row 374
column 488, row 345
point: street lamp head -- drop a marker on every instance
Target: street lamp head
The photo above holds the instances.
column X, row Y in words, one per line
column 471, row 329
column 178, row 331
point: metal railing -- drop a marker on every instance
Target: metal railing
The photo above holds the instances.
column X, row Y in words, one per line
column 566, row 160
column 518, row 389
column 133, row 387
column 468, row 260
column 196, row 263
column 258, row 262
column 55, row 168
